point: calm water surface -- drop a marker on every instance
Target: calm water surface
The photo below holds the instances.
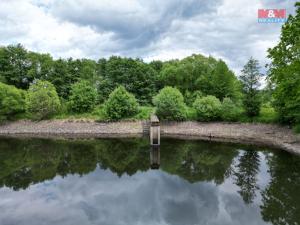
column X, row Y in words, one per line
column 112, row 181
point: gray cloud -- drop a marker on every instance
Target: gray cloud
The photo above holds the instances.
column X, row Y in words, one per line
column 101, row 197
column 137, row 26
column 226, row 29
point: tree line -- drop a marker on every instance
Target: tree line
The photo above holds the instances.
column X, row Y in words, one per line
column 196, row 87
column 179, row 89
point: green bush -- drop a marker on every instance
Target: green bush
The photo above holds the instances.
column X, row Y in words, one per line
column 296, row 128
column 42, row 100
column 99, row 113
column 230, row 111
column 252, row 105
column 267, row 114
column 12, row 101
column 83, row 97
column 121, row 104
column 190, row 97
column 191, row 113
column 208, row 108
column 170, row 104
column 144, row 113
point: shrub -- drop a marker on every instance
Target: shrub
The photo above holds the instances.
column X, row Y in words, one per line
column 190, row 97
column 207, row 108
column 252, row 105
column 267, row 114
column 99, row 113
column 191, row 113
column 170, row 104
column 144, row 112
column 12, row 101
column 83, row 97
column 296, row 128
column 42, row 100
column 229, row 110
column 120, row 104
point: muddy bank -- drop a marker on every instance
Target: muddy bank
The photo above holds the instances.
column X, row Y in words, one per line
column 71, row 129
column 259, row 134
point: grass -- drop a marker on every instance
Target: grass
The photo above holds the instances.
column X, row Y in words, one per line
column 98, row 114
column 191, row 113
column 296, row 129
column 144, row 113
column 267, row 115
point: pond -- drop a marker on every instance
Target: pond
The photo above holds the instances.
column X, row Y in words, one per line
column 123, row 181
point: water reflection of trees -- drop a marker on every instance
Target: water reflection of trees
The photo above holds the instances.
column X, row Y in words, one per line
column 245, row 175
column 25, row 162
column 281, row 198
column 124, row 155
column 197, row 161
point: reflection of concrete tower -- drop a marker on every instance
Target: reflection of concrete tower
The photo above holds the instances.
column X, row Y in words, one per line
column 155, row 142
column 154, row 157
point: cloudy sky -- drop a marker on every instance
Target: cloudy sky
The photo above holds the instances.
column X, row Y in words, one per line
column 156, row 29
column 146, row 198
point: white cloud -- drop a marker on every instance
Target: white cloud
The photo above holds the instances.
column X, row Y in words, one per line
column 101, row 197
column 140, row 28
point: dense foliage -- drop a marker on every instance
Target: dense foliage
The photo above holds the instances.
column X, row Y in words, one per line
column 42, row 100
column 285, row 70
column 250, row 80
column 208, row 108
column 136, row 76
column 230, row 111
column 12, row 101
column 198, row 73
column 194, row 85
column 83, row 97
column 121, row 104
column 169, row 104
column 14, row 66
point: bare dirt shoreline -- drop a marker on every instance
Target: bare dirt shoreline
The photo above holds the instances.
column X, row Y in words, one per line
column 259, row 134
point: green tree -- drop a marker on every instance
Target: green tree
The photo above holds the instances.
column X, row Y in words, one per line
column 190, row 97
column 12, row 101
column 208, row 108
column 169, row 104
column 220, row 82
column 14, row 65
column 83, row 97
column 185, row 74
column 135, row 75
column 42, row 100
column 64, row 74
column 284, row 70
column 59, row 76
column 250, row 80
column 157, row 65
column 200, row 73
column 229, row 110
column 120, row 104
column 41, row 66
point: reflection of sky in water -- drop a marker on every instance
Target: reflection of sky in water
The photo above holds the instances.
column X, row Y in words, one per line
column 152, row 197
